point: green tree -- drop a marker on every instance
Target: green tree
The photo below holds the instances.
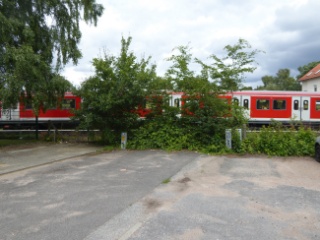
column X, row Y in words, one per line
column 183, row 78
column 111, row 96
column 36, row 39
column 228, row 72
column 202, row 101
column 282, row 81
column 306, row 68
column 179, row 74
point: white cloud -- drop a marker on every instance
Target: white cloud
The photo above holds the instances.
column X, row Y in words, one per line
column 287, row 30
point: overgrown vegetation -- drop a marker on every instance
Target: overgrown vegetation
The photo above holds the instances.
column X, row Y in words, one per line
column 122, row 85
column 111, row 97
column 197, row 132
column 280, row 141
column 209, row 137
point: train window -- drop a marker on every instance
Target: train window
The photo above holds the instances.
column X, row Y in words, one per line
column 50, row 105
column 143, row 104
column 28, row 106
column 177, row 102
column 279, row 104
column 317, row 105
column 68, row 103
column 296, row 105
column 305, row 105
column 236, row 101
column 263, row 104
column 147, row 105
column 246, row 103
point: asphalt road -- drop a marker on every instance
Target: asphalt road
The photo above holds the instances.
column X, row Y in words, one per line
column 229, row 198
column 70, row 199
column 120, row 195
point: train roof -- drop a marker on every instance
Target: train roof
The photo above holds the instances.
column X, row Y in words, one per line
column 263, row 93
column 275, row 93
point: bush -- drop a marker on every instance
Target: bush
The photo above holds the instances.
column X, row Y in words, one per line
column 208, row 135
column 172, row 133
column 279, row 141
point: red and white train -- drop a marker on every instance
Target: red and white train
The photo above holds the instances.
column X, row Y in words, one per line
column 22, row 115
column 260, row 106
column 263, row 106
column 283, row 106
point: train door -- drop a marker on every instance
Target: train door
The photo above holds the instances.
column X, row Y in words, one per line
column 244, row 102
column 246, row 105
column 315, row 109
column 175, row 101
column 300, row 108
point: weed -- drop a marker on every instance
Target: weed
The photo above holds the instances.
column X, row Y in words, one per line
column 166, row 181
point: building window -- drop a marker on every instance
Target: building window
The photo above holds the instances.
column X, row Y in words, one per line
column 263, row 104
column 315, row 87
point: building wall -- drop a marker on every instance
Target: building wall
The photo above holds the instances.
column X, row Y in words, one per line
column 311, row 85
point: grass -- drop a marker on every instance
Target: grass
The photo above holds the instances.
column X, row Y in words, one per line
column 165, row 181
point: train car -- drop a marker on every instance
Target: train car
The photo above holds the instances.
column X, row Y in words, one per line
column 283, row 106
column 261, row 107
column 23, row 116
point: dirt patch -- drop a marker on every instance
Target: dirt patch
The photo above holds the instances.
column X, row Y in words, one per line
column 184, row 180
column 152, row 204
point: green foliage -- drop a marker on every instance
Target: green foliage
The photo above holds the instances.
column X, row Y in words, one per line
column 179, row 74
column 280, row 141
column 208, row 136
column 112, row 96
column 228, row 72
column 33, row 35
column 166, row 181
column 190, row 132
column 236, row 141
column 205, row 116
column 282, row 81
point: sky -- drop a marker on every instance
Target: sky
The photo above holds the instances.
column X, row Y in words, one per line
column 287, row 31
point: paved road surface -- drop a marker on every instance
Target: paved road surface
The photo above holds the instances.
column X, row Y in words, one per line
column 19, row 157
column 229, row 198
column 120, row 195
column 72, row 198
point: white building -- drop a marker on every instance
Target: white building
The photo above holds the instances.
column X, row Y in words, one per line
column 310, row 82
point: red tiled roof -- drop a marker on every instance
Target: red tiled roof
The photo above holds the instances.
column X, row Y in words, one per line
column 313, row 73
